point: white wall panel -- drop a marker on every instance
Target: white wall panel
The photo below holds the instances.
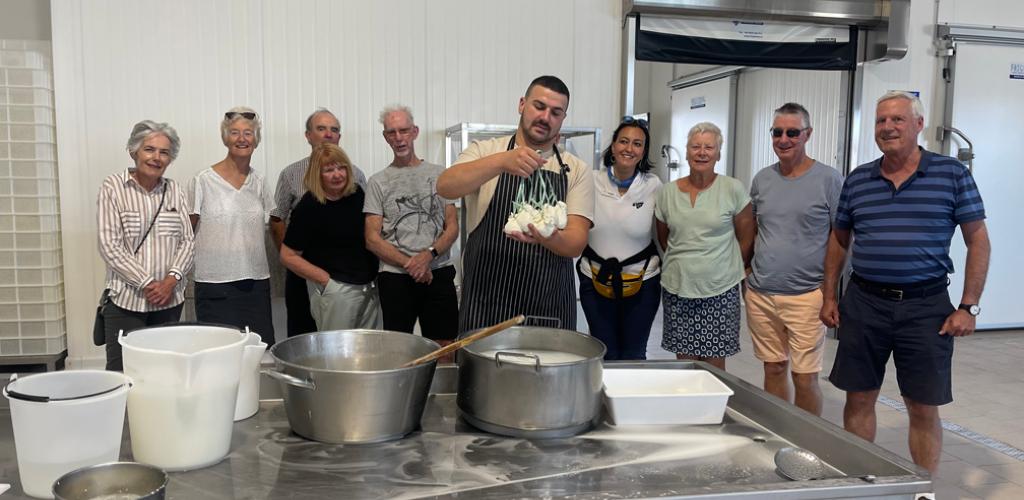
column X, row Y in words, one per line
column 762, row 91
column 186, row 62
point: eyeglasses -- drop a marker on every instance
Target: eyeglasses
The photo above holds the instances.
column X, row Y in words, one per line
column 244, row 114
column 629, row 120
column 792, row 133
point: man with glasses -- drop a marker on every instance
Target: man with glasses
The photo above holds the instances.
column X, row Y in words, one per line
column 903, row 209
column 411, row 229
column 321, row 126
column 794, row 201
column 521, row 273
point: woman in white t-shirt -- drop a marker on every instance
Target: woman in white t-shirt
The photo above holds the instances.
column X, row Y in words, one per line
column 620, row 283
column 230, row 206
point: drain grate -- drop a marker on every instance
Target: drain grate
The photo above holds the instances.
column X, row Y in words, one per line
column 986, row 441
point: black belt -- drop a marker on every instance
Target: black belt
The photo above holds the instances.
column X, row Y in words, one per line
column 917, row 290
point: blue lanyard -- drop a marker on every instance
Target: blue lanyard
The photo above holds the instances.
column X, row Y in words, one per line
column 621, row 184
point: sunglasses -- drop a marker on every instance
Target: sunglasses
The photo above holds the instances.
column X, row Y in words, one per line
column 792, row 133
column 244, row 114
column 629, row 120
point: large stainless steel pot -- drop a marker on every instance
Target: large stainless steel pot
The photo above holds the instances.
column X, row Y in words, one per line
column 343, row 386
column 509, row 395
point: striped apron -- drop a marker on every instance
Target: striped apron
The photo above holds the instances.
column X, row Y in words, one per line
column 504, row 277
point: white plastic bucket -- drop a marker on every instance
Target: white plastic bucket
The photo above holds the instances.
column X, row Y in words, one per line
column 181, row 408
column 248, row 402
column 64, row 421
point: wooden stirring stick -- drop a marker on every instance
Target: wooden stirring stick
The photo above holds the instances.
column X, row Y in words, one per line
column 454, row 346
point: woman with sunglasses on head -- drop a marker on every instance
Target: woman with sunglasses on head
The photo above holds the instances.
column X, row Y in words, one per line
column 620, row 285
column 230, row 208
column 706, row 226
column 326, row 245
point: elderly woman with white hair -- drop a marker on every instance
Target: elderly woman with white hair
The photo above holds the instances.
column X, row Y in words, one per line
column 144, row 237
column 230, row 208
column 706, row 226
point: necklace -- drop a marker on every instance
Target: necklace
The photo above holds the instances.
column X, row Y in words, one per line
column 621, row 184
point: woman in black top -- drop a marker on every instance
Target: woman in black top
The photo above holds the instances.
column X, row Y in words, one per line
column 325, row 245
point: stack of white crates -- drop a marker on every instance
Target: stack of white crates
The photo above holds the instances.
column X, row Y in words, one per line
column 31, row 271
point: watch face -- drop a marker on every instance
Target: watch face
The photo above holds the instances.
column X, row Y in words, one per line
column 974, row 310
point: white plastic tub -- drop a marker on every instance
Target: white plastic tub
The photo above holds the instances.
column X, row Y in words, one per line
column 63, row 421
column 181, row 407
column 663, row 397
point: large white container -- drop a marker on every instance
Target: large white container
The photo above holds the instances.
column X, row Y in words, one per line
column 64, row 421
column 182, row 406
column 664, row 397
column 248, row 402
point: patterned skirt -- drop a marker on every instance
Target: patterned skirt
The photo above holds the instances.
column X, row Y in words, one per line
column 708, row 327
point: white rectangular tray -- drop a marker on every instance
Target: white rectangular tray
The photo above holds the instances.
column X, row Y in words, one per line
column 663, row 397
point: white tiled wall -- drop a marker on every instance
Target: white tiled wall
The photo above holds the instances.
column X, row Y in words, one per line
column 31, row 268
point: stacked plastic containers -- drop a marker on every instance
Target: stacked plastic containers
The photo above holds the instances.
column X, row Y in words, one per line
column 31, row 274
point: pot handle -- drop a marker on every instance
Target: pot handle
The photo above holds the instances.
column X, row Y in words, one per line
column 534, row 357
column 289, row 379
column 538, row 319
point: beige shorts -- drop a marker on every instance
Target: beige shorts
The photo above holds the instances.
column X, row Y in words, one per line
column 786, row 327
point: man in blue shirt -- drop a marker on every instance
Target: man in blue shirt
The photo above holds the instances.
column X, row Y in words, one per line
column 903, row 209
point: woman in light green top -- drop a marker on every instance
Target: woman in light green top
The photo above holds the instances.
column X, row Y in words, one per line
column 706, row 226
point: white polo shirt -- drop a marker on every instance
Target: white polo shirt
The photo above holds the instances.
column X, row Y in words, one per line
column 623, row 223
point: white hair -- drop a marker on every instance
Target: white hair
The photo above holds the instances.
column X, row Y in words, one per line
column 227, row 122
column 396, row 108
column 706, row 128
column 915, row 102
column 146, row 128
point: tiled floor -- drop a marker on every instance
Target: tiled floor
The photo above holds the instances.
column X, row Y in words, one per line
column 988, row 393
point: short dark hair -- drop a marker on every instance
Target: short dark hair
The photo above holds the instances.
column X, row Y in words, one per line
column 644, row 165
column 551, row 83
column 792, row 108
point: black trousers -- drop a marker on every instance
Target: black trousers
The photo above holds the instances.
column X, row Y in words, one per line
column 403, row 301
column 116, row 319
column 243, row 303
column 296, row 300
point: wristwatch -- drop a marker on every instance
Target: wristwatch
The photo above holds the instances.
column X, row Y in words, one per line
column 433, row 251
column 971, row 309
column 176, row 275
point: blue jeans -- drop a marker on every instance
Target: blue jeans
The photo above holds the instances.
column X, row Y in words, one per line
column 623, row 325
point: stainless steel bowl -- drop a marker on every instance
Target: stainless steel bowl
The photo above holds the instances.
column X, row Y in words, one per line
column 345, row 386
column 127, row 480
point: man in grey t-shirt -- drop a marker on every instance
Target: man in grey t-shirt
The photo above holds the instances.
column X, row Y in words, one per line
column 321, row 126
column 794, row 204
column 411, row 229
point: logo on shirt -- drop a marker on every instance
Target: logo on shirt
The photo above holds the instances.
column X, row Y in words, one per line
column 638, row 205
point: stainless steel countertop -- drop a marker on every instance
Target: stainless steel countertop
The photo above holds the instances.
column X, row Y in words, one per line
column 448, row 458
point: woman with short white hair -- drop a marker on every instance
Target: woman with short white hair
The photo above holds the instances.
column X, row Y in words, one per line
column 145, row 239
column 230, row 208
column 706, row 226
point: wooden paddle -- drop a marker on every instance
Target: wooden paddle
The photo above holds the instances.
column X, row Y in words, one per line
column 459, row 344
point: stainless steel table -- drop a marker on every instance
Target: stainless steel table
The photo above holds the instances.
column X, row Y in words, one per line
column 449, row 459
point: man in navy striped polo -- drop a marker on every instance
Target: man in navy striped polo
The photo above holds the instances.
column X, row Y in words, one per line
column 903, row 209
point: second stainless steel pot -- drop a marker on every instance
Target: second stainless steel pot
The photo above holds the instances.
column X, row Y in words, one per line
column 345, row 386
column 528, row 397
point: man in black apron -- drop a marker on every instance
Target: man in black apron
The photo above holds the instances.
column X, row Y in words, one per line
column 505, row 275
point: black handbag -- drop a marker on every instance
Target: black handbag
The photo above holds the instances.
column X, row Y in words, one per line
column 99, row 326
column 99, row 335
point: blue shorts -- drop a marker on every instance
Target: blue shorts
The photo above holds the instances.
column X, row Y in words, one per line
column 872, row 327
